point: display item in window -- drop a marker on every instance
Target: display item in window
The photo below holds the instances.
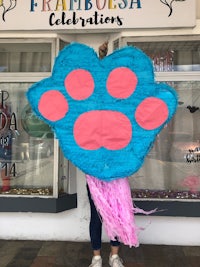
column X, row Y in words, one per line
column 5, row 141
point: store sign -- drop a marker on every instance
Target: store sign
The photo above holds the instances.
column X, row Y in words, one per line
column 8, row 125
column 95, row 14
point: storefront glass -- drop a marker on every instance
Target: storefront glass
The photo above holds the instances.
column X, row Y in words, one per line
column 171, row 170
column 26, row 145
column 25, row 57
column 172, row 55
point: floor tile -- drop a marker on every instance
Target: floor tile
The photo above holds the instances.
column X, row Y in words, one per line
column 78, row 254
column 51, row 248
column 191, row 251
column 43, row 261
column 134, row 264
column 194, row 261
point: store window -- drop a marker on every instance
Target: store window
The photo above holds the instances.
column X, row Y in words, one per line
column 171, row 169
column 170, row 176
column 25, row 57
column 170, row 56
column 34, row 175
column 26, row 145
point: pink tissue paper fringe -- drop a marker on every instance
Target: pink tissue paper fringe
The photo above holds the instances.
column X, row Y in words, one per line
column 115, row 205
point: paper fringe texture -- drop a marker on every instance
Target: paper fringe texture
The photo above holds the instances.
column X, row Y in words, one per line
column 114, row 203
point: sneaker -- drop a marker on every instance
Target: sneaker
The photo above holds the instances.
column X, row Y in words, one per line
column 96, row 261
column 115, row 261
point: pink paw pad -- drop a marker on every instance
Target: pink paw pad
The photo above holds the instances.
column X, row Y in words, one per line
column 121, row 82
column 102, row 128
column 79, row 84
column 151, row 113
column 53, row 105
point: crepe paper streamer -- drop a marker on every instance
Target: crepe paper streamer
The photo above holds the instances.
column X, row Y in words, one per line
column 106, row 112
column 114, row 203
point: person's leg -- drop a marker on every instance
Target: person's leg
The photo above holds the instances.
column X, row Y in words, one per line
column 95, row 229
column 114, row 259
column 114, row 247
column 95, row 237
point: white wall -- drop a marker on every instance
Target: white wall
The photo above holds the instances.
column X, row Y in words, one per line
column 73, row 225
column 198, row 9
column 68, row 225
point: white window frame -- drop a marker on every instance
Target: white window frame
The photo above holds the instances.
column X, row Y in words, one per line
column 32, row 77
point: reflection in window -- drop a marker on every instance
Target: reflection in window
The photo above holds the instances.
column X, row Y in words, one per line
column 172, row 168
column 172, row 55
column 27, row 57
column 26, row 145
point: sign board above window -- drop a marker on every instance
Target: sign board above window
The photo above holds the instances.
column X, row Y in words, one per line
column 96, row 14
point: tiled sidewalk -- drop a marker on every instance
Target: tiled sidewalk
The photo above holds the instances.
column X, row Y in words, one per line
column 78, row 254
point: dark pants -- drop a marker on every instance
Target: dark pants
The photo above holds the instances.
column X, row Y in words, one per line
column 96, row 226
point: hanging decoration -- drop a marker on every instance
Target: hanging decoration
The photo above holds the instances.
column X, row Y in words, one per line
column 106, row 114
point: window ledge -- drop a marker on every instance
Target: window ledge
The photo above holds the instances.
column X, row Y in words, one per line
column 36, row 204
column 170, row 208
